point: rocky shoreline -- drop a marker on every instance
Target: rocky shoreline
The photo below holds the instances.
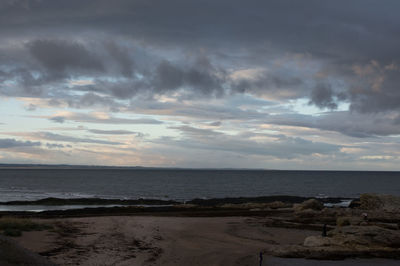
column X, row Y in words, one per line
column 368, row 228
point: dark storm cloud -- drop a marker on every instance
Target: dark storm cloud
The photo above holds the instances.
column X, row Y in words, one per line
column 188, row 49
column 323, row 97
column 57, row 55
column 275, row 85
column 122, row 57
column 13, row 143
column 335, row 28
column 202, row 77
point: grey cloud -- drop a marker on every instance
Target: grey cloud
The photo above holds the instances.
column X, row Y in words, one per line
column 275, row 85
column 57, row 119
column 122, row 57
column 61, row 55
column 215, row 124
column 114, row 132
column 351, row 124
column 334, row 37
column 326, row 28
column 283, row 147
column 58, row 137
column 376, row 88
column 323, row 97
column 31, row 107
column 202, row 77
column 92, row 100
column 188, row 130
column 193, row 45
column 87, row 118
column 57, row 146
column 13, row 143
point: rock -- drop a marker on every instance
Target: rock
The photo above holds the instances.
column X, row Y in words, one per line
column 365, row 235
column 279, row 205
column 317, row 241
column 391, row 226
column 308, row 213
column 256, row 205
column 351, row 220
column 312, row 204
column 331, row 252
column 387, row 203
column 355, row 204
column 370, row 202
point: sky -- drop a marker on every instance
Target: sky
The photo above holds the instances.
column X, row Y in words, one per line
column 201, row 83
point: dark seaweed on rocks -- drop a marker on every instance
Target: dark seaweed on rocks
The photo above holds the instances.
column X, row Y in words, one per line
column 265, row 199
column 90, row 201
column 200, row 202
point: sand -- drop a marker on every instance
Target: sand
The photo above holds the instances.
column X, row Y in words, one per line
column 151, row 240
column 135, row 240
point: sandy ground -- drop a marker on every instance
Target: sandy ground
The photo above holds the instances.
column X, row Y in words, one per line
column 159, row 241
column 135, row 240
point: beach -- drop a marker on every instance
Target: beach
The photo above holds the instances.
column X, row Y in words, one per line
column 222, row 234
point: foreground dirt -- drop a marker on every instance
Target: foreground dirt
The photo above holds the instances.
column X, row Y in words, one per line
column 228, row 234
column 136, row 240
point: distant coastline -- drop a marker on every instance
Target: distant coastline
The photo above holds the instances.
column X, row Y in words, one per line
column 94, row 167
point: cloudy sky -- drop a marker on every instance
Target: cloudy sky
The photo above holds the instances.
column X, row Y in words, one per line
column 178, row 83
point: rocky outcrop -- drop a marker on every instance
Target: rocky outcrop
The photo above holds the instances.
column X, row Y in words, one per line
column 351, row 236
column 318, row 241
column 331, row 252
column 349, row 220
column 344, row 242
column 255, row 205
column 311, row 204
column 386, row 203
column 369, row 236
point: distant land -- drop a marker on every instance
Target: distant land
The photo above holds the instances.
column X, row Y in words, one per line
column 68, row 166
column 94, row 167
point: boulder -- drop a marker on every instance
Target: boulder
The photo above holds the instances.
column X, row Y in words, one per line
column 311, row 204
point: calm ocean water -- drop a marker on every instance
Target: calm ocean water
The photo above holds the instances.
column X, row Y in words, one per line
column 32, row 184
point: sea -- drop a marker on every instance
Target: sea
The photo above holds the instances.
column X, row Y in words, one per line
column 187, row 184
